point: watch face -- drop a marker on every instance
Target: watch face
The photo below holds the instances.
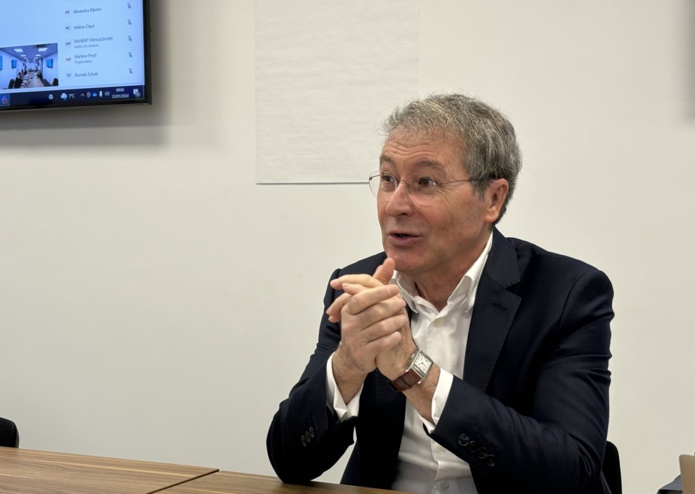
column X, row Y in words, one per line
column 422, row 362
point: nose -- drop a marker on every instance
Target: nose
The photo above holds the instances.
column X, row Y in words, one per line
column 399, row 202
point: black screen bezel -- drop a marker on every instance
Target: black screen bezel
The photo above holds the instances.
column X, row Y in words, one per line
column 40, row 101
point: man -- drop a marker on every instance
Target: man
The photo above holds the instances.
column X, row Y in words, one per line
column 464, row 361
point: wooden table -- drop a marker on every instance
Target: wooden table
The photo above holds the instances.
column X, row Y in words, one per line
column 241, row 483
column 25, row 471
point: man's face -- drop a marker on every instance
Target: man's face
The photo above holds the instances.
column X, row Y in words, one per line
column 442, row 238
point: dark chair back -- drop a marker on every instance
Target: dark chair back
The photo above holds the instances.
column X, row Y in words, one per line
column 9, row 437
column 611, row 468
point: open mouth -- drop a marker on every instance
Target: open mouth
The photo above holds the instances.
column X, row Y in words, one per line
column 402, row 236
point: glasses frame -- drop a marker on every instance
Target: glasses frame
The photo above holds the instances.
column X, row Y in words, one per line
column 376, row 189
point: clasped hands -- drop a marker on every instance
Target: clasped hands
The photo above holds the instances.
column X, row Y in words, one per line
column 375, row 328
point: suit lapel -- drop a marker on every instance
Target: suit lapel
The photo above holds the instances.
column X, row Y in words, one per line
column 494, row 311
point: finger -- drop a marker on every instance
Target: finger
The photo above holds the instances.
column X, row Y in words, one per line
column 385, row 342
column 352, row 289
column 356, row 279
column 382, row 332
column 337, row 306
column 384, row 273
column 364, row 298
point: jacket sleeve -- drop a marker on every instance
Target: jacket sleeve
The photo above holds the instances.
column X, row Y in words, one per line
column 305, row 438
column 546, row 431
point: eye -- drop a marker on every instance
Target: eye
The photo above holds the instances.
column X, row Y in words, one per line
column 388, row 180
column 427, row 183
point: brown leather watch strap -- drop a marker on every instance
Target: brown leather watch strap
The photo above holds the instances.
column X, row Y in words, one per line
column 406, row 381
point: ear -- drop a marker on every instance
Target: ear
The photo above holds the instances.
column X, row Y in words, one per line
column 495, row 196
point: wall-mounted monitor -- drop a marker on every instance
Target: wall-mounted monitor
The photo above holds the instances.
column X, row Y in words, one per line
column 74, row 53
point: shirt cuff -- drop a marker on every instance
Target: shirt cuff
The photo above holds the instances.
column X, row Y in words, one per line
column 441, row 394
column 335, row 400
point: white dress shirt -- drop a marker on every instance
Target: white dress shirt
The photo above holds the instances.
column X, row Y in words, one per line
column 425, row 466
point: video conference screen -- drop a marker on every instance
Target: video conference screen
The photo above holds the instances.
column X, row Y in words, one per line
column 72, row 53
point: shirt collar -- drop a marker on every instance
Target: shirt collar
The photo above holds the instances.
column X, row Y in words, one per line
column 464, row 293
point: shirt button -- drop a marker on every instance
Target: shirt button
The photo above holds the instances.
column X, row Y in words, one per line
column 445, row 485
column 437, row 323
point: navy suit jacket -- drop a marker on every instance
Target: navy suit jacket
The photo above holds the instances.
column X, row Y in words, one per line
column 529, row 416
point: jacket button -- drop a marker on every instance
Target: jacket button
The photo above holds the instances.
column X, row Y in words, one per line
column 472, row 447
column 463, row 440
column 482, row 453
column 303, row 441
column 491, row 460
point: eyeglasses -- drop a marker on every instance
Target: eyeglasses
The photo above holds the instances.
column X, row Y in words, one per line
column 422, row 189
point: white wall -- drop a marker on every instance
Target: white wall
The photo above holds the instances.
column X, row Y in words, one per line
column 156, row 304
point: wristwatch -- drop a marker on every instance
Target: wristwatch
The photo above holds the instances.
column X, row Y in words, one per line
column 419, row 367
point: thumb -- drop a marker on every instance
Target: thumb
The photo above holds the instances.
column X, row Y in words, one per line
column 384, row 273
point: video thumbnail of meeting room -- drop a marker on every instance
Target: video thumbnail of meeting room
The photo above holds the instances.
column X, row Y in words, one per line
column 30, row 66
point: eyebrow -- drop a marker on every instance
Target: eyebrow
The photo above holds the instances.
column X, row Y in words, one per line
column 424, row 163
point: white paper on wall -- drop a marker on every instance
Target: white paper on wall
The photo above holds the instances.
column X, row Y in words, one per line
column 327, row 75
